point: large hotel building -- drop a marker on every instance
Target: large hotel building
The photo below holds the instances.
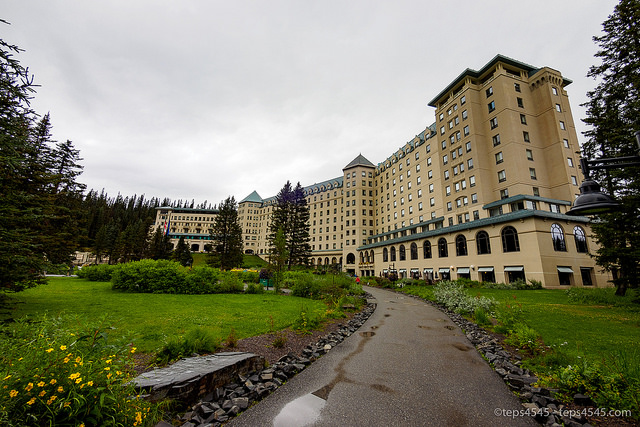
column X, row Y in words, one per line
column 482, row 193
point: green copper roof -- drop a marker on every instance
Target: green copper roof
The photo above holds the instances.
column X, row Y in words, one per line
column 253, row 198
column 520, row 197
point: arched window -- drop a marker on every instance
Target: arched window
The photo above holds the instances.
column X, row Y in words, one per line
column 557, row 237
column 482, row 241
column 581, row 240
column 443, row 251
column 426, row 249
column 385, row 255
column 510, row 241
column 393, row 253
column 403, row 254
column 461, row 245
column 371, row 257
column 351, row 259
column 414, row 251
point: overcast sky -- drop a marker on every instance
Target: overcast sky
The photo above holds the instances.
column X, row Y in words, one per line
column 204, row 99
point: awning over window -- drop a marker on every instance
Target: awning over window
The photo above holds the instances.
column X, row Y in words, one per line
column 463, row 270
column 443, row 270
column 485, row 269
column 565, row 270
column 428, row 270
column 385, row 271
column 403, row 270
column 514, row 268
column 415, row 270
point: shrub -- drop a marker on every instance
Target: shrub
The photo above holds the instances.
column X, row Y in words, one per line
column 229, row 283
column 249, row 276
column 597, row 296
column 96, row 272
column 197, row 341
column 453, row 296
column 254, row 288
column 200, row 280
column 306, row 322
column 524, row 337
column 58, row 376
column 161, row 276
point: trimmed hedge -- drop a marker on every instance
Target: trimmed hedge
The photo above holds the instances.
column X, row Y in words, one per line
column 169, row 277
column 96, row 272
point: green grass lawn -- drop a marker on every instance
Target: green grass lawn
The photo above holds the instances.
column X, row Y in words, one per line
column 589, row 330
column 151, row 319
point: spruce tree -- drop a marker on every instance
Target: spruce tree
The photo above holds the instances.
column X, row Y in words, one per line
column 291, row 216
column 613, row 113
column 182, row 253
column 226, row 236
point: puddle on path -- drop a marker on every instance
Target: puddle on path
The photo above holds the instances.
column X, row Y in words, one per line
column 305, row 410
column 302, row 411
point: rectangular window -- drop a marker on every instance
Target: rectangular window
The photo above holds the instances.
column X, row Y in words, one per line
column 491, row 106
column 525, row 136
column 529, row 154
column 472, row 181
column 463, row 100
column 574, row 180
column 474, row 198
column 523, row 119
column 494, row 122
column 446, row 174
column 516, row 86
column 520, row 103
column 489, row 91
column 468, row 146
column 566, row 143
column 562, row 126
column 447, row 190
column 558, row 109
column 445, row 159
column 449, row 206
column 466, row 130
column 554, row 90
column 503, row 195
column 499, row 158
column 532, row 173
column 570, row 162
column 442, row 130
column 536, row 191
column 496, row 140
column 432, row 201
column 502, row 176
column 464, row 115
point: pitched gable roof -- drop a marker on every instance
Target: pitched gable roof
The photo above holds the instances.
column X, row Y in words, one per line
column 359, row 161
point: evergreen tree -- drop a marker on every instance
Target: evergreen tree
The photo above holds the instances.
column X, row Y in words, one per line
column 159, row 245
column 226, row 236
column 182, row 253
column 291, row 216
column 613, row 113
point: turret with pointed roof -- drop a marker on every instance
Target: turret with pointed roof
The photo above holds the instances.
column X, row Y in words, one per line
column 253, row 198
column 359, row 161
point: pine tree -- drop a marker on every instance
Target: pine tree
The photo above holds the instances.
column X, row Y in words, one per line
column 613, row 113
column 226, row 236
column 291, row 216
column 182, row 253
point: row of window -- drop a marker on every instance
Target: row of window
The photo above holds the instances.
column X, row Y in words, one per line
column 509, row 239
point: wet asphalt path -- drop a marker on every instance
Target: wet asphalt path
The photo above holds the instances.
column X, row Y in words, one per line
column 408, row 365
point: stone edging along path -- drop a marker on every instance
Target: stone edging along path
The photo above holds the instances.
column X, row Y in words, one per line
column 226, row 402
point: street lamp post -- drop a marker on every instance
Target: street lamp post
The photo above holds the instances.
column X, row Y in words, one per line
column 592, row 200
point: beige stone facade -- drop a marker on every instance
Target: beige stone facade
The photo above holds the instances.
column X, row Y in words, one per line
column 480, row 193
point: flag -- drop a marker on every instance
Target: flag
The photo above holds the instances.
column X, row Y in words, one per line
column 167, row 226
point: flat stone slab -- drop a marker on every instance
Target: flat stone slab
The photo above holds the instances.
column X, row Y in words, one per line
column 193, row 377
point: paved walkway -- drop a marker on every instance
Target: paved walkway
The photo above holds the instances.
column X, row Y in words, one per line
column 408, row 365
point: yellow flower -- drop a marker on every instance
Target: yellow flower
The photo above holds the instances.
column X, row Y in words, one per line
column 74, row 376
column 109, row 375
column 66, row 360
column 42, row 393
column 118, row 372
column 139, row 417
column 53, row 381
column 133, row 349
column 90, row 383
column 78, row 380
column 31, row 401
column 51, row 399
column 41, row 384
column 6, row 378
column 13, row 393
column 60, row 389
column 67, row 404
column 49, row 350
column 107, row 368
column 29, row 386
column 63, row 347
column 107, row 361
column 78, row 359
